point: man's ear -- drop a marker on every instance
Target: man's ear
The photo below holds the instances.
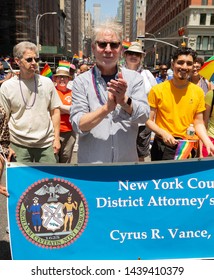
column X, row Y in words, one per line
column 17, row 60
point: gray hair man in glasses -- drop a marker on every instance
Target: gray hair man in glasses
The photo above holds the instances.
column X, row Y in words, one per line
column 108, row 104
column 32, row 107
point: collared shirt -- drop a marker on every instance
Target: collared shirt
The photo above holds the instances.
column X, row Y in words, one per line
column 114, row 138
column 30, row 127
column 160, row 79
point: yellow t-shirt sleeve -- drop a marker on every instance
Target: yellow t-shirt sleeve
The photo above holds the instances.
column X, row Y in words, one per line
column 152, row 100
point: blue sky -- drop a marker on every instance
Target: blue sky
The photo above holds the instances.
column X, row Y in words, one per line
column 108, row 7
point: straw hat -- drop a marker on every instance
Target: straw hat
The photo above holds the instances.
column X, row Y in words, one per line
column 62, row 71
column 135, row 47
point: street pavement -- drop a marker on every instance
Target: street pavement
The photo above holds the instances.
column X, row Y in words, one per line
column 4, row 237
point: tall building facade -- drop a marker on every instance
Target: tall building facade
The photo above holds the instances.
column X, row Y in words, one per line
column 74, row 11
column 18, row 23
column 60, row 34
column 126, row 19
column 141, row 17
column 96, row 14
column 88, row 34
column 120, row 11
column 164, row 20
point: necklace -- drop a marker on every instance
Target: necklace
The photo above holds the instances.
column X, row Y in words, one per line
column 29, row 106
column 96, row 86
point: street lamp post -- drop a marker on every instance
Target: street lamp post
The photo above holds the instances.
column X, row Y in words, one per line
column 38, row 17
column 155, row 47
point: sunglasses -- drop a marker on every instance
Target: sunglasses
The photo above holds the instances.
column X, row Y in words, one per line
column 134, row 53
column 164, row 69
column 103, row 45
column 30, row 59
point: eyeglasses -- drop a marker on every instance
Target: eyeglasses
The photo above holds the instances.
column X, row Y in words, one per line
column 133, row 53
column 30, row 59
column 196, row 67
column 103, row 45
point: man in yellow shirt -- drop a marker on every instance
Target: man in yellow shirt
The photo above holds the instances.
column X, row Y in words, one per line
column 174, row 105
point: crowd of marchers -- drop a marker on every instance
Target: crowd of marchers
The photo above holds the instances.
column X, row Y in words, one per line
column 118, row 112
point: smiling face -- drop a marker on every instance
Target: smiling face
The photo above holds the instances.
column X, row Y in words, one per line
column 61, row 82
column 196, row 68
column 133, row 59
column 107, row 55
column 182, row 67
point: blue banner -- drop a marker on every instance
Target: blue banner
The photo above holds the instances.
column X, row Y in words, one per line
column 144, row 211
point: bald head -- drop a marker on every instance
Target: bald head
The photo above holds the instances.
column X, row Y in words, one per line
column 83, row 68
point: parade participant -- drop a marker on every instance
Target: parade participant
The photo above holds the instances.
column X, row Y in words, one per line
column 67, row 135
column 134, row 56
column 175, row 104
column 3, row 75
column 83, row 68
column 163, row 74
column 208, row 120
column 72, row 76
column 196, row 78
column 108, row 104
column 32, row 107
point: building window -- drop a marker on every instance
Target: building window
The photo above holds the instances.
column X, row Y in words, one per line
column 204, row 2
column 198, row 43
column 212, row 43
column 205, row 42
column 203, row 19
column 212, row 19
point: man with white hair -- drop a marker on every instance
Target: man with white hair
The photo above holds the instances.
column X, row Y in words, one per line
column 108, row 104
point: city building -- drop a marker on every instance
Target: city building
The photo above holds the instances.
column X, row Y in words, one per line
column 56, row 26
column 75, row 24
column 96, row 14
column 88, row 34
column 141, row 17
column 18, row 23
column 190, row 22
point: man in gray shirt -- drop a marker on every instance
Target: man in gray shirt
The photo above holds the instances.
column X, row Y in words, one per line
column 108, row 104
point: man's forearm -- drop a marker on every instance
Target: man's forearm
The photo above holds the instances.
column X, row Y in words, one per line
column 92, row 119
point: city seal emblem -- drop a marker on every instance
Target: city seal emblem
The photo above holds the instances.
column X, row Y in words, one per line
column 52, row 213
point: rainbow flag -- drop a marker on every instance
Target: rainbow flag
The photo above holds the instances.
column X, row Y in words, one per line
column 126, row 44
column 184, row 149
column 64, row 63
column 46, row 71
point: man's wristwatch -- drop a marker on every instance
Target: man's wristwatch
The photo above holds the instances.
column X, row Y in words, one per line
column 129, row 101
